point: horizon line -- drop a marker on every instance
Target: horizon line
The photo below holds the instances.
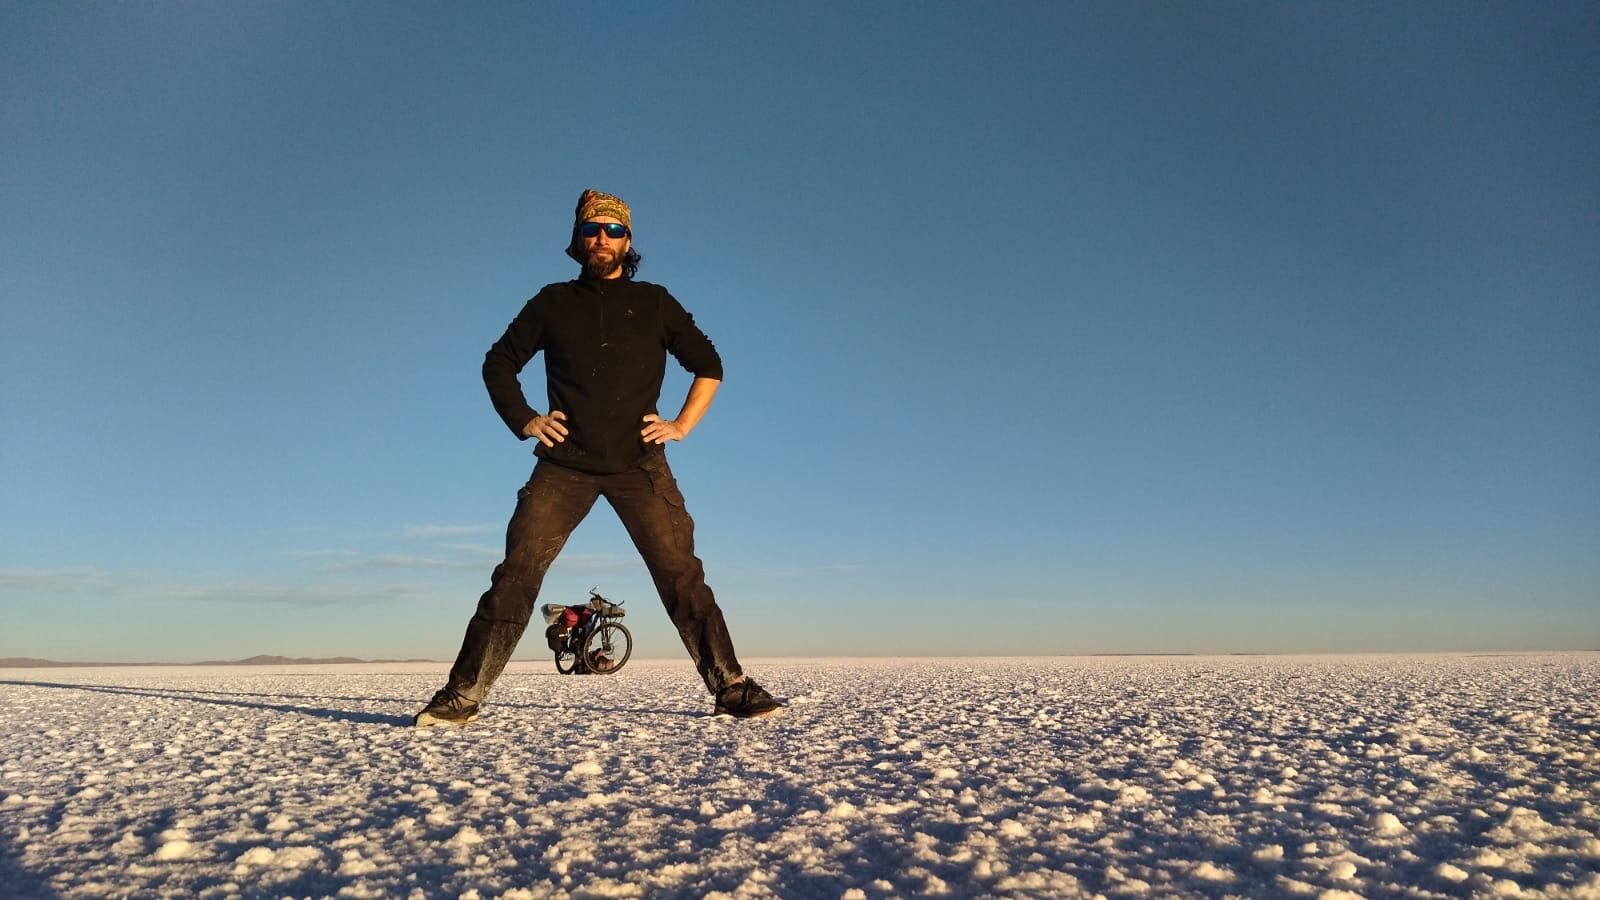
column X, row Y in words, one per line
column 264, row 660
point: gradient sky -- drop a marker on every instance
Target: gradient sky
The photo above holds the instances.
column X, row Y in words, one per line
column 1049, row 328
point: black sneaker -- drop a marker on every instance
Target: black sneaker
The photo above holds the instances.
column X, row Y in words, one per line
column 447, row 708
column 746, row 700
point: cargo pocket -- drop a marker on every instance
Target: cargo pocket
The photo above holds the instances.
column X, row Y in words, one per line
column 665, row 486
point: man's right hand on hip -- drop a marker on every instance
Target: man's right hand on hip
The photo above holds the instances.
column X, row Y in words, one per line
column 547, row 428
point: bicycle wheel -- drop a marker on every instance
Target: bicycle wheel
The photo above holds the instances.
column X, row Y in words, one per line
column 607, row 648
column 567, row 657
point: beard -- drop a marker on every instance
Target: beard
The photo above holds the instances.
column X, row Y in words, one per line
column 601, row 263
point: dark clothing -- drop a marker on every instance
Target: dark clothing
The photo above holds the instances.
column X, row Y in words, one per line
column 549, row 507
column 605, row 344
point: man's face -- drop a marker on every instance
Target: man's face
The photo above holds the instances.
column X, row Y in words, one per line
column 602, row 255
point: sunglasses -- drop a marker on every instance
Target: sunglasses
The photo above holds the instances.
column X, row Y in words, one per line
column 614, row 230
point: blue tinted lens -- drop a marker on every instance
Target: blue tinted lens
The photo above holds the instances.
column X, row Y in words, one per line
column 614, row 230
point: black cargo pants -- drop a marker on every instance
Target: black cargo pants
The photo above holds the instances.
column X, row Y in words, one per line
column 549, row 507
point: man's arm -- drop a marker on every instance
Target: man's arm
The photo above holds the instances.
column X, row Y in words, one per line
column 523, row 338
column 659, row 431
column 695, row 352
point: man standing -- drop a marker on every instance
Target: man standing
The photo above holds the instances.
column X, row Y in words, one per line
column 605, row 338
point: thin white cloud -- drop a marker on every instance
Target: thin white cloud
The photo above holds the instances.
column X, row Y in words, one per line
column 269, row 593
column 56, row 581
column 483, row 551
column 427, row 532
column 481, row 558
column 323, row 587
column 792, row 571
column 404, row 561
column 594, row 563
column 38, row 584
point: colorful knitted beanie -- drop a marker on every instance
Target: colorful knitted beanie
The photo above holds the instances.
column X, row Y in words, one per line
column 593, row 203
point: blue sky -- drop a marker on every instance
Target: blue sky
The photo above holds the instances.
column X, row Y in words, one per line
column 1049, row 328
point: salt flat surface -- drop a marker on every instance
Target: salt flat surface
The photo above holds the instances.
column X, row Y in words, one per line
column 1261, row 776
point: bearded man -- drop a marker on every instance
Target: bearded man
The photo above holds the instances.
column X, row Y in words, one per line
column 605, row 338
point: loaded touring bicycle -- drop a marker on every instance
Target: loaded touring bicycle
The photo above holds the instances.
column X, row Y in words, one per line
column 588, row 639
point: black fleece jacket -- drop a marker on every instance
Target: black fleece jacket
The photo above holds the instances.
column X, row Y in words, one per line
column 605, row 344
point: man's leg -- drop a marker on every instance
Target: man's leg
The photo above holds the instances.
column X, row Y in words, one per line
column 549, row 507
column 651, row 507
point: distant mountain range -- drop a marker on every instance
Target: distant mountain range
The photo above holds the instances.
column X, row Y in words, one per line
column 24, row 662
